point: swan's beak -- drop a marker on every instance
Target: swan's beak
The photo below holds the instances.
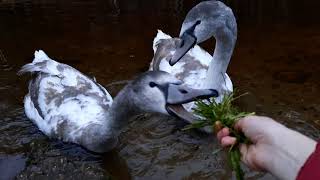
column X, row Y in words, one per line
column 181, row 94
column 187, row 42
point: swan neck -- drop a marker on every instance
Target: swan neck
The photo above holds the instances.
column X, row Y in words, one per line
column 222, row 53
column 219, row 64
column 121, row 110
column 117, row 117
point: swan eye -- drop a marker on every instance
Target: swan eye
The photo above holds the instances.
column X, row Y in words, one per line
column 198, row 22
column 152, row 84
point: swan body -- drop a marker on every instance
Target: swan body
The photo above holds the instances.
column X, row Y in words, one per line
column 183, row 58
column 68, row 105
column 64, row 103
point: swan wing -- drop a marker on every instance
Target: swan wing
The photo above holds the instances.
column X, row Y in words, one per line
column 228, row 87
column 62, row 101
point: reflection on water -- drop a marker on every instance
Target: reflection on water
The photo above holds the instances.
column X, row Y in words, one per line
column 276, row 60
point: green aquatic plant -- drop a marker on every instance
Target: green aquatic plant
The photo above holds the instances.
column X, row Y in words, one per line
column 219, row 115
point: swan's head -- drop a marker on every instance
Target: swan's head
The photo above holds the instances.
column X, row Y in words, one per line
column 158, row 91
column 207, row 19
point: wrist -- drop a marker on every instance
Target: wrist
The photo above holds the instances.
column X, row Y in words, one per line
column 303, row 147
column 291, row 154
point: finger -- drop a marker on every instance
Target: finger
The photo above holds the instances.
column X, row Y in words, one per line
column 239, row 124
column 244, row 151
column 244, row 124
column 252, row 127
column 228, row 141
column 245, row 121
column 224, row 132
column 249, row 157
column 219, row 135
column 244, row 154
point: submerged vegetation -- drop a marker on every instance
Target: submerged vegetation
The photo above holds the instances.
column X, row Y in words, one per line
column 218, row 116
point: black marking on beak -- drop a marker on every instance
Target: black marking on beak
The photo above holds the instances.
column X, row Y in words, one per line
column 181, row 94
column 188, row 41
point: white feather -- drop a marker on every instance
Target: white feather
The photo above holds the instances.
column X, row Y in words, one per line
column 160, row 35
column 40, row 56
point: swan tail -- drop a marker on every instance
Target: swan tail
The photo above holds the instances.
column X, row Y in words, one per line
column 40, row 63
column 40, row 56
column 160, row 35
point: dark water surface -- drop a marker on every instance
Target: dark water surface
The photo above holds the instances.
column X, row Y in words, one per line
column 276, row 60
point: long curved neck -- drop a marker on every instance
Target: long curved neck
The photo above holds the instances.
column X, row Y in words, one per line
column 121, row 110
column 117, row 117
column 219, row 64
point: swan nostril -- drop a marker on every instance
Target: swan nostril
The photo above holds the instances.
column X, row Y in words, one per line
column 214, row 92
column 183, row 91
column 181, row 43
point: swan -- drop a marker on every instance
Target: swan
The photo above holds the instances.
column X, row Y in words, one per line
column 68, row 105
column 184, row 59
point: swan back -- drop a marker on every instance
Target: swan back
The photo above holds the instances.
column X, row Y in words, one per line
column 66, row 104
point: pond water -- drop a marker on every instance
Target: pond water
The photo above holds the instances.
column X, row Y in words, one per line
column 276, row 60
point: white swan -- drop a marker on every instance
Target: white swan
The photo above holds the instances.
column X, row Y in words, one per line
column 190, row 63
column 68, row 105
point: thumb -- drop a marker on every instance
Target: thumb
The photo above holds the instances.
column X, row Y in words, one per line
column 248, row 125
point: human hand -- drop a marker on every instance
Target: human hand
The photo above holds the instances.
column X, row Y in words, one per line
column 275, row 148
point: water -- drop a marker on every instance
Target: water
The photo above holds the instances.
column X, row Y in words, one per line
column 276, row 61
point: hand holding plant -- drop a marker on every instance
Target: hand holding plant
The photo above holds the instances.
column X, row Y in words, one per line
column 218, row 116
